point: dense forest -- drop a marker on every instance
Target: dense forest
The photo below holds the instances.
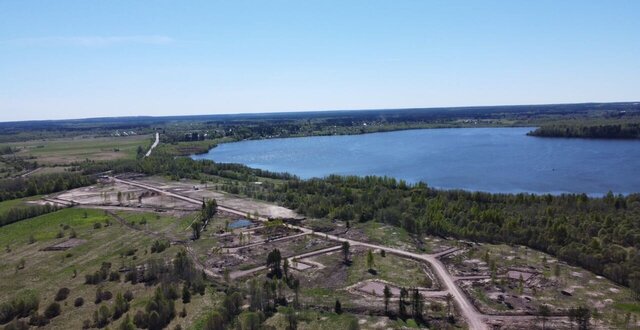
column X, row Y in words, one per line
column 599, row 234
column 42, row 184
column 606, row 131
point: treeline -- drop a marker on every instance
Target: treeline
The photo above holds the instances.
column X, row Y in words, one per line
column 16, row 214
column 611, row 131
column 162, row 163
column 42, row 184
column 599, row 234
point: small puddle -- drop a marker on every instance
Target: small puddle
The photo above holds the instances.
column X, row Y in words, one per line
column 240, row 223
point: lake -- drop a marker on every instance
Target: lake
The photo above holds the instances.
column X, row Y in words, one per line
column 502, row 160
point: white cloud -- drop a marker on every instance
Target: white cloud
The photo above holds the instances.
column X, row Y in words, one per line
column 91, row 41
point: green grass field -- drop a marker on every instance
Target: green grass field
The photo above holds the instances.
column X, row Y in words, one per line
column 47, row 271
column 65, row 151
column 391, row 268
column 161, row 223
column 387, row 235
column 16, row 203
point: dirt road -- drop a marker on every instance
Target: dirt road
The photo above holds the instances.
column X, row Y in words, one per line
column 472, row 316
column 31, row 172
column 155, row 144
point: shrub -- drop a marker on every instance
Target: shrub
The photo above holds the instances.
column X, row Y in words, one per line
column 17, row 325
column 114, row 276
column 101, row 316
column 120, row 306
column 62, row 294
column 24, row 304
column 128, row 296
column 78, row 302
column 159, row 246
column 38, row 320
column 99, row 275
column 52, row 310
column 97, row 225
column 94, row 278
column 131, row 276
column 127, row 324
column 20, row 264
column 140, row 319
column 186, row 294
column 102, row 295
column 60, row 234
column 7, row 312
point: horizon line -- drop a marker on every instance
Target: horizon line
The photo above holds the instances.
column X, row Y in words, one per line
column 313, row 111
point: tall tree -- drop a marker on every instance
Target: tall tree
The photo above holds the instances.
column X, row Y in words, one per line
column 544, row 312
column 370, row 261
column 402, row 303
column 387, row 296
column 417, row 305
column 345, row 251
column 338, row 307
column 274, row 260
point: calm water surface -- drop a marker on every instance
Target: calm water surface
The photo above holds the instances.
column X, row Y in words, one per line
column 482, row 159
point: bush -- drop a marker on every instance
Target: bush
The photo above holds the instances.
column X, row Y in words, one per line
column 94, row 278
column 128, row 296
column 24, row 304
column 159, row 246
column 98, row 276
column 38, row 320
column 114, row 276
column 7, row 312
column 62, row 294
column 102, row 295
column 17, row 325
column 131, row 276
column 78, row 302
column 140, row 319
column 52, row 310
column 97, row 225
column 101, row 316
column 186, row 294
column 120, row 306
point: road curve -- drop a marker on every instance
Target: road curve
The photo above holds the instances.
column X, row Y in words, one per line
column 469, row 312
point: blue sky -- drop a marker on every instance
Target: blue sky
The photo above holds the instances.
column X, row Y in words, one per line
column 76, row 59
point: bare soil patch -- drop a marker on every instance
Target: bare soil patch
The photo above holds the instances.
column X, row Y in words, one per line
column 68, row 244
